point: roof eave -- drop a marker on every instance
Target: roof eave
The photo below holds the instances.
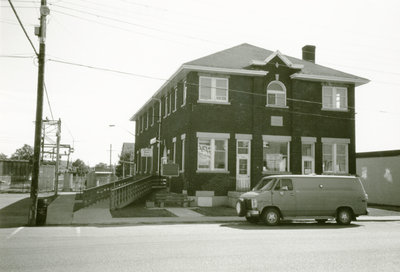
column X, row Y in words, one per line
column 356, row 81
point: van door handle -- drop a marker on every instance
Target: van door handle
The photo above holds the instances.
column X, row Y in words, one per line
column 292, row 194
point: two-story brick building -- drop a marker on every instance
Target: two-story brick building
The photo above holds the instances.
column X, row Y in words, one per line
column 234, row 116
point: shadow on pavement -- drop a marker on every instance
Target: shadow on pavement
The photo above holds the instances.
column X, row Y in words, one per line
column 288, row 226
column 16, row 214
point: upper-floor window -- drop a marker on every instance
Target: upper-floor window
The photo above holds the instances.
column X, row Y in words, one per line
column 175, row 97
column 213, row 89
column 152, row 115
column 170, row 103
column 276, row 94
column 334, row 98
column 184, row 93
column 166, row 106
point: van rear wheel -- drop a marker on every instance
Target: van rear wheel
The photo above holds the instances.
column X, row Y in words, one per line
column 271, row 217
column 344, row 216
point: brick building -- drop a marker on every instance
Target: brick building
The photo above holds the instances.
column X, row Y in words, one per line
column 234, row 116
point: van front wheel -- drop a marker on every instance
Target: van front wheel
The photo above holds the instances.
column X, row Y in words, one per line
column 270, row 217
column 343, row 217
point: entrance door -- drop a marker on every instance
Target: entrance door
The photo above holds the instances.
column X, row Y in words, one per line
column 243, row 165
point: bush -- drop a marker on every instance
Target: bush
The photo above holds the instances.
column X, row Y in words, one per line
column 220, row 184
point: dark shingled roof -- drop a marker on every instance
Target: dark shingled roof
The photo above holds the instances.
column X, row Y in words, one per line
column 239, row 57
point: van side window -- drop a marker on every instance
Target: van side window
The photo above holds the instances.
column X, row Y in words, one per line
column 284, row 183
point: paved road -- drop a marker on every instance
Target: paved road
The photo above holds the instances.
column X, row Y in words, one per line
column 363, row 246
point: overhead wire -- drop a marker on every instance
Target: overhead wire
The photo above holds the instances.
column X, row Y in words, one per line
column 22, row 26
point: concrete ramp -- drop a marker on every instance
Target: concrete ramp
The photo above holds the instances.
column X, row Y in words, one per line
column 60, row 211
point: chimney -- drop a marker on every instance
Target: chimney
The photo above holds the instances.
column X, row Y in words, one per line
column 309, row 53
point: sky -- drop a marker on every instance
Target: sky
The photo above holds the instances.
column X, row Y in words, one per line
column 142, row 43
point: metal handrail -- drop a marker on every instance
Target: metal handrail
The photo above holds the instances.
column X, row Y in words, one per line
column 128, row 193
column 95, row 194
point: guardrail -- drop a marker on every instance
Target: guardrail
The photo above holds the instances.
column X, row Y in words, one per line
column 126, row 194
column 95, row 194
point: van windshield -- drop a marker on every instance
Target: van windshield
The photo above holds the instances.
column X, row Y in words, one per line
column 264, row 184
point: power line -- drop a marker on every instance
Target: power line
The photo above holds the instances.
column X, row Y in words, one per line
column 261, row 94
column 105, row 69
column 133, row 24
column 23, row 28
column 48, row 101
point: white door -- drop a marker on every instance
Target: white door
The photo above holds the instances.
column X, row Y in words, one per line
column 243, row 165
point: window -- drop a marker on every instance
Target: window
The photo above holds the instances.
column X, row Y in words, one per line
column 212, row 153
column 174, row 150
column 284, row 184
column 184, row 93
column 335, row 155
column 276, row 153
column 147, row 119
column 276, row 94
column 166, row 106
column 213, row 89
column 183, row 137
column 142, row 123
column 152, row 115
column 170, row 103
column 175, row 97
column 334, row 98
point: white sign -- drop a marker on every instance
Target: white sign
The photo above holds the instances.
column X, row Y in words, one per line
column 146, row 152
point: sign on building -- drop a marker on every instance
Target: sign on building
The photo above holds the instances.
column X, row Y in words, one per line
column 170, row 170
column 146, row 152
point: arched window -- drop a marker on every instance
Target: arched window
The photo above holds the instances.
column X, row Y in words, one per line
column 276, row 94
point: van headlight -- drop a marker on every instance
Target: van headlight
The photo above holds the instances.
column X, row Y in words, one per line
column 254, row 203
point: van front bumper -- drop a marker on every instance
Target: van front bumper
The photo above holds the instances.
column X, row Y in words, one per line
column 252, row 213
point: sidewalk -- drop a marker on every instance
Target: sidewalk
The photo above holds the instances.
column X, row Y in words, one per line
column 14, row 212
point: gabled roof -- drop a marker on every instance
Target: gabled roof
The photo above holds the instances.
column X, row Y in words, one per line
column 246, row 59
column 244, row 55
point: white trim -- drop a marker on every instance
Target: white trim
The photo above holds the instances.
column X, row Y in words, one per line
column 243, row 136
column 212, row 135
column 356, row 81
column 335, row 140
column 305, row 139
column 213, row 102
column 225, row 70
column 281, row 56
column 183, row 136
column 276, row 138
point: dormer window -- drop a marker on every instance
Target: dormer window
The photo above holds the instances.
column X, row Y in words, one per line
column 276, row 94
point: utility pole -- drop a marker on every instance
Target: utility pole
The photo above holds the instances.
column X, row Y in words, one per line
column 58, row 156
column 44, row 11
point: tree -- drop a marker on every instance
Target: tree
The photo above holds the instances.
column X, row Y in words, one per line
column 23, row 153
column 119, row 169
column 102, row 167
column 80, row 167
column 3, row 156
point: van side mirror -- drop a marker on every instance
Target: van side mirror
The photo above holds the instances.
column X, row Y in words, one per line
column 285, row 188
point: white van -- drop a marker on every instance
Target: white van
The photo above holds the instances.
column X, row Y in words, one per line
column 319, row 197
